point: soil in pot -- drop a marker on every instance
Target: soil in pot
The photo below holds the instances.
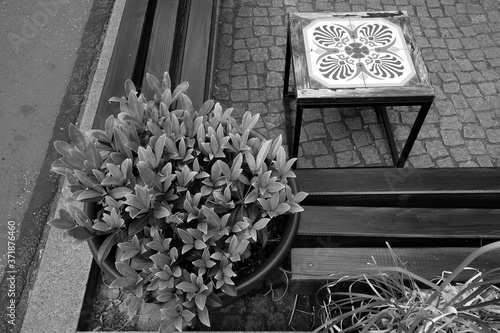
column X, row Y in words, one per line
column 270, row 308
column 266, row 309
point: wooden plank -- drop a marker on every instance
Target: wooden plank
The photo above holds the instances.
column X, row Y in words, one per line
column 122, row 60
column 300, row 71
column 197, row 50
column 409, row 95
column 161, row 45
column 443, row 187
column 414, row 50
column 426, row 262
column 400, row 222
column 322, row 15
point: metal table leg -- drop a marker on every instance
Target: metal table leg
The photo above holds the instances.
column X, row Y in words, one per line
column 388, row 133
column 424, row 109
column 296, row 135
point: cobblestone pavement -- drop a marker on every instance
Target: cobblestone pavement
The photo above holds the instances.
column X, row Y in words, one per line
column 460, row 44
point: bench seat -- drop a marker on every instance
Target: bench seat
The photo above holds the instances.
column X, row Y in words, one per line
column 432, row 219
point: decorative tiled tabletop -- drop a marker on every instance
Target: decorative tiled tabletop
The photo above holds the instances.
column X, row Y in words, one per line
column 357, row 52
column 357, row 59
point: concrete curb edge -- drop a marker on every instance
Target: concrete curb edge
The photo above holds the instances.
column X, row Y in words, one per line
column 56, row 299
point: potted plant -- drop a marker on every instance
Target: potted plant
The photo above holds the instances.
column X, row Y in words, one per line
column 176, row 199
column 393, row 299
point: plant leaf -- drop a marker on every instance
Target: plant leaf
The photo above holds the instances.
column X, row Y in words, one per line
column 80, row 233
column 154, row 84
column 106, row 247
column 150, row 177
column 62, row 147
column 248, row 122
column 133, row 306
column 77, row 137
column 138, row 224
column 203, row 316
column 123, row 282
column 119, row 192
column 89, row 196
column 129, row 87
column 229, row 290
column 187, row 287
column 181, row 88
column 125, row 270
column 264, row 150
column 261, row 224
column 62, row 224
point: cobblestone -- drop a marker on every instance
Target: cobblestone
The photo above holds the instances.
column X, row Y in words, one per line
column 474, row 132
column 315, row 131
column 436, row 149
column 452, row 137
column 493, row 135
column 460, row 44
column 342, row 145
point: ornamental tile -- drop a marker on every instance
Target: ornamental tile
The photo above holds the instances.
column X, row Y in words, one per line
column 357, row 52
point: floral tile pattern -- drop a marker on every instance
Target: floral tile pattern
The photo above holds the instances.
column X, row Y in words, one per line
column 357, row 52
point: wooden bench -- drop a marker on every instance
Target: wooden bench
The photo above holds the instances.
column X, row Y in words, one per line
column 178, row 36
column 432, row 218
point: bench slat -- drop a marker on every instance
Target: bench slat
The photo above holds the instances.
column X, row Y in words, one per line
column 122, row 60
column 159, row 56
column 399, row 222
column 426, row 262
column 446, row 187
column 400, row 180
column 196, row 58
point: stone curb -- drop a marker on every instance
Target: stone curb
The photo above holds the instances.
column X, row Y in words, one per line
column 55, row 302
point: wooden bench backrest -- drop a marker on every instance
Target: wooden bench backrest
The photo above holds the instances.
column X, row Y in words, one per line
column 159, row 35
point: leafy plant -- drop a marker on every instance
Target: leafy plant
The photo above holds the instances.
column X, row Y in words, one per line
column 184, row 194
column 398, row 300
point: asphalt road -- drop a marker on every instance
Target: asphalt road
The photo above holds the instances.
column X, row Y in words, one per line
column 47, row 49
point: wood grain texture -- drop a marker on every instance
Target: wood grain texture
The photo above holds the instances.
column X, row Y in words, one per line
column 342, row 221
column 367, row 207
column 320, row 15
column 311, row 267
column 426, row 262
column 299, row 62
column 367, row 96
column 403, row 180
column 161, row 45
column 197, row 50
column 122, row 60
column 402, row 187
column 415, row 52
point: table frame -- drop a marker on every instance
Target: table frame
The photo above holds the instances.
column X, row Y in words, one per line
column 377, row 97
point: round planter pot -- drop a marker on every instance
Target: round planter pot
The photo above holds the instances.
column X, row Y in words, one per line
column 244, row 285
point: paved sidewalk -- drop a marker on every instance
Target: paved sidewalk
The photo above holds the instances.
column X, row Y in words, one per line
column 48, row 49
column 460, row 44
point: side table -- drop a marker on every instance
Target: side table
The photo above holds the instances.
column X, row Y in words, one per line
column 355, row 59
